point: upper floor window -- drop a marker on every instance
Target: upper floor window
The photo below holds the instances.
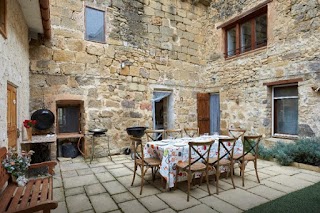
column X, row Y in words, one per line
column 95, row 25
column 246, row 33
column 3, row 16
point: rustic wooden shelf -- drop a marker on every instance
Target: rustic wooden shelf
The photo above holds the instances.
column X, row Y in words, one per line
column 69, row 135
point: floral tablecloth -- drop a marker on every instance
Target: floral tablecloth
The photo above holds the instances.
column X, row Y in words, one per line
column 172, row 151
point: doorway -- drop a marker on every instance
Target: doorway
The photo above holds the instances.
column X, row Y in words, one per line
column 208, row 108
column 214, row 113
column 161, row 103
column 12, row 115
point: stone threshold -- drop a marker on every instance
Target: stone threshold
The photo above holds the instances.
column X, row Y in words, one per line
column 300, row 165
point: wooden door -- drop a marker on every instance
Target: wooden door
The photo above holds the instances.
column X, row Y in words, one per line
column 203, row 105
column 12, row 115
column 214, row 113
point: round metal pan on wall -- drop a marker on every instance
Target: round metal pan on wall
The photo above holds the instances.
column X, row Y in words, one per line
column 44, row 118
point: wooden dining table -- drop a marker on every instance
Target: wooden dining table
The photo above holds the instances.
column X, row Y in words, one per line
column 171, row 151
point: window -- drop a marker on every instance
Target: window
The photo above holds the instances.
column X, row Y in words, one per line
column 69, row 119
column 3, row 17
column 246, row 33
column 95, row 25
column 285, row 110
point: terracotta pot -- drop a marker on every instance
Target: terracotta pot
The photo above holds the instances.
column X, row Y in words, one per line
column 29, row 133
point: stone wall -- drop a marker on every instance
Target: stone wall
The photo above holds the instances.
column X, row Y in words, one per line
column 174, row 45
column 161, row 42
column 292, row 52
column 14, row 68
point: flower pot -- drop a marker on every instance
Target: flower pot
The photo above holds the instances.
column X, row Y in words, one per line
column 29, row 134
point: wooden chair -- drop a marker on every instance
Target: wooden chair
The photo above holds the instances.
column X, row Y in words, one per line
column 155, row 135
column 192, row 132
column 36, row 196
column 237, row 133
column 249, row 153
column 223, row 158
column 173, row 133
column 142, row 162
column 193, row 166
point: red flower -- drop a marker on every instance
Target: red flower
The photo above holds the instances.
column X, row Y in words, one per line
column 29, row 123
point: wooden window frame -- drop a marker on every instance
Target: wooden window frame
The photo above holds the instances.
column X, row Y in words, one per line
column 274, row 119
column 104, row 24
column 249, row 16
column 3, row 27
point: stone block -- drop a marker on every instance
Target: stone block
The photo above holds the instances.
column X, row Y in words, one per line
column 153, row 203
column 72, row 68
column 75, row 45
column 123, row 197
column 63, row 55
column 82, row 57
column 199, row 208
column 95, row 49
column 121, row 172
column 125, row 71
column 94, row 189
column 79, row 181
column 62, row 208
column 105, row 177
column 177, row 200
column 74, row 191
column 266, row 192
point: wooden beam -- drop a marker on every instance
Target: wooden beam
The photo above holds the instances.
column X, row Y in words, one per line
column 288, row 81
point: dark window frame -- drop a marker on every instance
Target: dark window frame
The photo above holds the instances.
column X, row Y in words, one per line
column 274, row 109
column 104, row 24
column 3, row 18
column 236, row 23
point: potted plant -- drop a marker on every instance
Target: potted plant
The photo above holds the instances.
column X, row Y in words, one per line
column 28, row 124
column 17, row 165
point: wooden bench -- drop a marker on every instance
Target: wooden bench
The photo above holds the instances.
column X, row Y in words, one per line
column 37, row 195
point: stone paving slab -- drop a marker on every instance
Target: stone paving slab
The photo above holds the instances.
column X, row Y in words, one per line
column 266, row 192
column 169, row 210
column 84, row 172
column 94, row 189
column 199, row 209
column 241, row 198
column 219, row 205
column 277, row 186
column 74, row 191
column 238, row 182
column 70, row 173
column 177, row 200
column 126, row 181
column 153, row 203
column 103, row 203
column 105, row 177
column 78, row 203
column 99, row 169
column 57, row 182
column 307, row 177
column 79, row 181
column 62, row 208
column 133, row 206
column 121, row 172
column 58, row 194
column 123, row 197
column 114, row 187
column 290, row 181
column 147, row 191
column 73, row 166
column 285, row 170
column 99, row 164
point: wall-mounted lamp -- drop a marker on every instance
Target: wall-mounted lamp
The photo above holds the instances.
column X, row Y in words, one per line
column 125, row 63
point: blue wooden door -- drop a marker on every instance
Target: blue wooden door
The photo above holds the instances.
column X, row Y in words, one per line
column 214, row 113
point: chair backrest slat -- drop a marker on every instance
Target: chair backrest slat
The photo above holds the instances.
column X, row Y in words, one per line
column 202, row 156
column 228, row 151
column 252, row 142
column 155, row 134
column 237, row 133
column 191, row 132
column 173, row 133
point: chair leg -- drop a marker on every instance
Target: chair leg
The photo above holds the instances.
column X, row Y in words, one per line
column 217, row 179
column 256, row 168
column 201, row 178
column 134, row 174
column 207, row 179
column 176, row 181
column 189, row 183
column 231, row 175
column 142, row 179
column 242, row 172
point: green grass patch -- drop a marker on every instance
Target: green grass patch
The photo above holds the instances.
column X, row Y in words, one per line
column 305, row 200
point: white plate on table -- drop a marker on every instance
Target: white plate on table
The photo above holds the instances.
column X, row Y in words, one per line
column 166, row 140
column 160, row 143
column 180, row 144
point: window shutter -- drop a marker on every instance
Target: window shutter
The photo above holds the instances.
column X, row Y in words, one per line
column 203, row 104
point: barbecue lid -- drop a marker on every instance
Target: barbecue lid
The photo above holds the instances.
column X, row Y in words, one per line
column 98, row 131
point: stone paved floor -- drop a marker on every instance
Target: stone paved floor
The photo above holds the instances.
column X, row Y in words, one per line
column 104, row 186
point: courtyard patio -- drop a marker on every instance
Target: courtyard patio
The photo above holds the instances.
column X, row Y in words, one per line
column 105, row 186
